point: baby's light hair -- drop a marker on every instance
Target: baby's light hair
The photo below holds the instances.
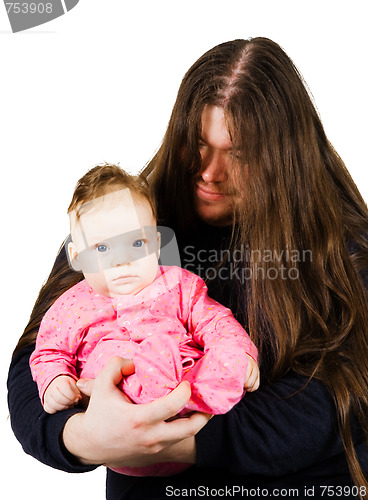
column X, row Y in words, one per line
column 105, row 179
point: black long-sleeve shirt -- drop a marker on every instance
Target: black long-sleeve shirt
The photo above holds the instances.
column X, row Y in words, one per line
column 281, row 440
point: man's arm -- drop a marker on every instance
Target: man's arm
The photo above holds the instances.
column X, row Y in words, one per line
column 280, row 429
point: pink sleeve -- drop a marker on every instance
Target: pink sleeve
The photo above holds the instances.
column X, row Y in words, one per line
column 217, row 379
column 61, row 331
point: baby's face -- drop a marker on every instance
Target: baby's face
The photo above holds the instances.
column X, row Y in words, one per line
column 116, row 244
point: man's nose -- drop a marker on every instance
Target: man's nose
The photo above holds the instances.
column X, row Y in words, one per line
column 214, row 167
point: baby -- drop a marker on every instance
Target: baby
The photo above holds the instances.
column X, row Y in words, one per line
column 128, row 305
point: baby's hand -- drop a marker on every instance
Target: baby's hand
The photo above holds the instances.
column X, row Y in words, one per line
column 62, row 393
column 252, row 376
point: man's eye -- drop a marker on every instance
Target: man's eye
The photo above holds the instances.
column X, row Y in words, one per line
column 138, row 243
column 102, row 248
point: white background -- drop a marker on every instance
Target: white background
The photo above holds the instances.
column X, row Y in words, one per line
column 98, row 84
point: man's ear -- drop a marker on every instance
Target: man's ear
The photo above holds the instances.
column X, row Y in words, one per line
column 158, row 245
column 73, row 257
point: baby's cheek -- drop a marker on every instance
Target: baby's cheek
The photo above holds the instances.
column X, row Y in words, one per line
column 147, row 268
column 99, row 282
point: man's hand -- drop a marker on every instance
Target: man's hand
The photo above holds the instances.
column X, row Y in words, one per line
column 115, row 432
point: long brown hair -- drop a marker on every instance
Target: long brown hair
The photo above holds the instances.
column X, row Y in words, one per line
column 298, row 199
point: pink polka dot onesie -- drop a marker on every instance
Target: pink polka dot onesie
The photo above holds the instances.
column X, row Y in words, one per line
column 171, row 329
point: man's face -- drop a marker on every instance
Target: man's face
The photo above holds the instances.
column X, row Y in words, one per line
column 215, row 194
column 117, row 244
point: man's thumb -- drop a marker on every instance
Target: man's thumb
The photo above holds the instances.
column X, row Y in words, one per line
column 85, row 385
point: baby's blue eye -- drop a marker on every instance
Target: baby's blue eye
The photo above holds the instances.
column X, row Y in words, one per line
column 102, row 248
column 138, row 243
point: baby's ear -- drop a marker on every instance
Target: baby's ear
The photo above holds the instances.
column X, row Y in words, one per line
column 73, row 257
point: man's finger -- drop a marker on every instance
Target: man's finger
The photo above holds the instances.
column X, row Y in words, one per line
column 116, row 369
column 111, row 375
column 184, row 427
column 85, row 386
column 167, row 406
